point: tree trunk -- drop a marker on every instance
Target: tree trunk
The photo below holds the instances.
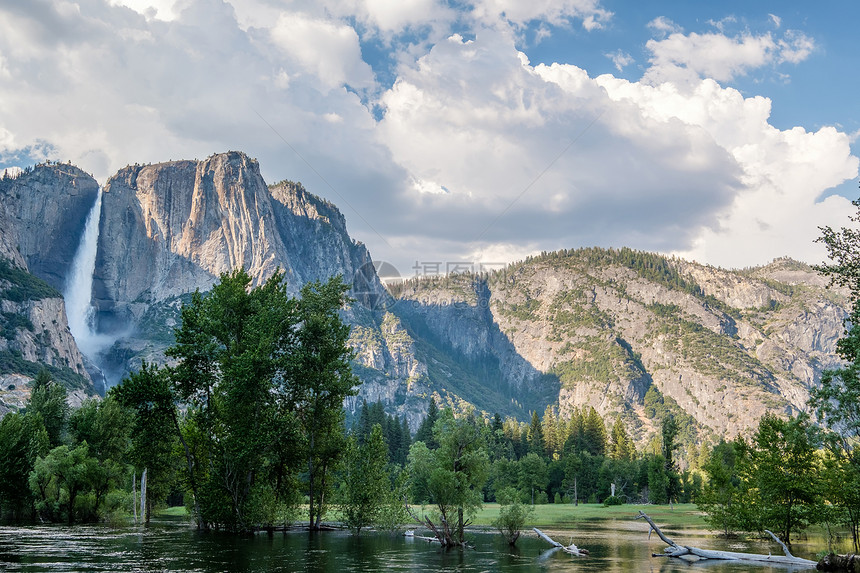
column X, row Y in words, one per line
column 144, row 511
column 572, row 548
column 134, row 494
column 311, row 477
column 461, row 534
column 680, row 551
column 189, row 459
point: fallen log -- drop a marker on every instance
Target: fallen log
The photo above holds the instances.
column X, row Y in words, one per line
column 687, row 553
column 571, row 549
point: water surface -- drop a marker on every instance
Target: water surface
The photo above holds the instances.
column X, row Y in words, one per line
column 175, row 546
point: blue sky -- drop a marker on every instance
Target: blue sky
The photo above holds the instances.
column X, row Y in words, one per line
column 475, row 131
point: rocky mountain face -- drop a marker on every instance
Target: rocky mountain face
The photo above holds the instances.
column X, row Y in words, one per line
column 618, row 330
column 615, row 329
column 42, row 214
column 171, row 228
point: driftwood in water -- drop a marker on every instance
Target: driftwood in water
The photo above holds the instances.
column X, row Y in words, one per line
column 695, row 553
column 572, row 549
column 833, row 562
column 411, row 535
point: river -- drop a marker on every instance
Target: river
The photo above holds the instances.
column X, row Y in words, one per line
column 172, row 545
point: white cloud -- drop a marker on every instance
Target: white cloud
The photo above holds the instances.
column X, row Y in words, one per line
column 680, row 58
column 664, row 26
column 394, row 16
column 620, row 59
column 556, row 12
column 162, row 9
column 777, row 21
column 328, row 50
column 478, row 154
column 795, row 47
column 684, row 59
column 776, row 209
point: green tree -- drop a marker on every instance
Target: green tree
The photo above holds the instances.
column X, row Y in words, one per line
column 594, row 433
column 620, row 445
column 425, row 430
column 512, row 515
column 537, row 443
column 837, row 400
column 58, row 479
column 48, row 399
column 104, row 426
column 321, row 377
column 784, row 469
column 452, row 475
column 235, row 370
column 503, row 473
column 366, row 481
column 148, row 395
column 669, row 431
column 22, row 440
column 658, row 479
column 723, row 498
column 532, row 474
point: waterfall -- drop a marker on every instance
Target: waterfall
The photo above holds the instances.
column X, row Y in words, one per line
column 79, row 288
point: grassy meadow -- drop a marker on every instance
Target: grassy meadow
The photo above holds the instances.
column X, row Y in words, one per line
column 565, row 516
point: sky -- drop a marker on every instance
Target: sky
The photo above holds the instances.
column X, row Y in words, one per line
column 468, row 134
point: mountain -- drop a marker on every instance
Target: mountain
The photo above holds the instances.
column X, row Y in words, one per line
column 627, row 332
column 42, row 214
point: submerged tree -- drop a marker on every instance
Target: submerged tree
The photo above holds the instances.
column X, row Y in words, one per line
column 453, row 475
column 319, row 379
column 784, row 470
column 366, row 481
column 264, row 376
column 513, row 515
column 155, row 429
column 722, row 499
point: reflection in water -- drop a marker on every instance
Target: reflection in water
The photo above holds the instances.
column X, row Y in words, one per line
column 174, row 546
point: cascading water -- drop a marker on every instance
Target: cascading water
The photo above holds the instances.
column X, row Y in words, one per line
column 79, row 288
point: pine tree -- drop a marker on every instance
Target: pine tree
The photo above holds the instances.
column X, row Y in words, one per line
column 594, row 433
column 536, row 441
column 425, row 430
column 621, row 447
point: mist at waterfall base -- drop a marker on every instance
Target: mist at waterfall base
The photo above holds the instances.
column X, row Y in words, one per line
column 78, row 297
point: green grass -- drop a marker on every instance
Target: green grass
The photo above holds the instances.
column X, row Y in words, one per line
column 176, row 511
column 560, row 516
column 568, row 516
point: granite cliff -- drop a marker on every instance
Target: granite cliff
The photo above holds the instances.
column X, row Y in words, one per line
column 614, row 329
column 42, row 213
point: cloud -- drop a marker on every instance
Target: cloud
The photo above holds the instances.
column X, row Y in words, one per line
column 778, row 206
column 663, row 26
column 555, row 12
column 684, row 59
column 795, row 47
column 161, row 9
column 328, row 50
column 470, row 152
column 620, row 59
column 541, row 154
